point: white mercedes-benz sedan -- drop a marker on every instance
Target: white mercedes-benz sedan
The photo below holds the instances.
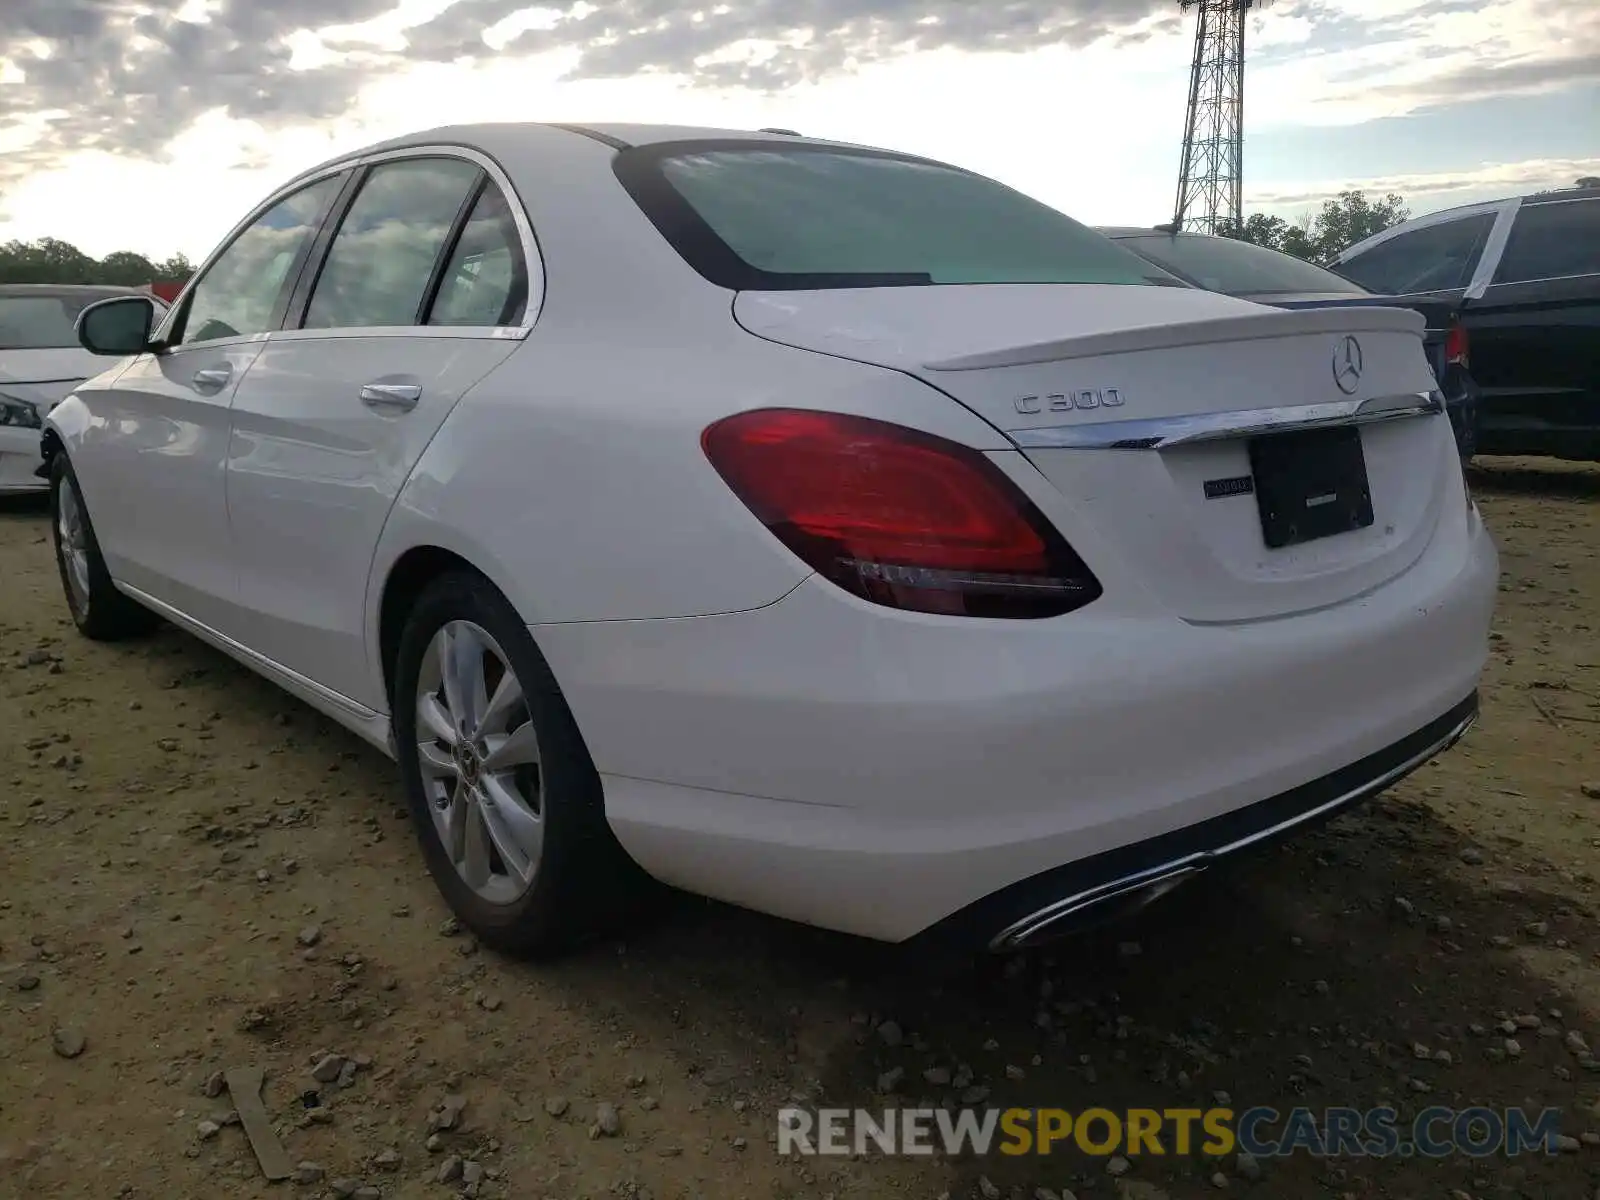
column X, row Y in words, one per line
column 830, row 531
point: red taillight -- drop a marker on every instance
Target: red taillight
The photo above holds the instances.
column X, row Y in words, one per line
column 898, row 517
column 1455, row 346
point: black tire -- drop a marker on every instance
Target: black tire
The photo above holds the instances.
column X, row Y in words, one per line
column 584, row 885
column 101, row 612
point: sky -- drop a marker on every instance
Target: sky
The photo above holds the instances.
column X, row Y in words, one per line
column 153, row 125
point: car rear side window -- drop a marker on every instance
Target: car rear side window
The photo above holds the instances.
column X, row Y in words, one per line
column 1552, row 240
column 772, row 216
column 379, row 264
column 240, row 292
column 1435, row 258
column 485, row 281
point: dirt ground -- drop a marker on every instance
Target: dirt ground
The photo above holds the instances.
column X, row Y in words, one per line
column 198, row 873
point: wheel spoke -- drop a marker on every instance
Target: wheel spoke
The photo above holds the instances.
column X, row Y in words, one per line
column 517, row 834
column 461, row 668
column 431, row 715
column 520, row 748
column 453, row 820
column 474, row 861
column 502, row 705
column 436, row 763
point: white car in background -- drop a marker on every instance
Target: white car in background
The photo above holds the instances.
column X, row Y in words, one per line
column 830, row 531
column 41, row 361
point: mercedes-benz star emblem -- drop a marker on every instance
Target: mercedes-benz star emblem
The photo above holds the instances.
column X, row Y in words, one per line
column 1347, row 365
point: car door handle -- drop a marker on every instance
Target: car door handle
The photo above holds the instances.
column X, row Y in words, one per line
column 212, row 379
column 403, row 396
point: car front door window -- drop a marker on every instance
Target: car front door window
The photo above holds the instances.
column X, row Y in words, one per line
column 382, row 259
column 240, row 291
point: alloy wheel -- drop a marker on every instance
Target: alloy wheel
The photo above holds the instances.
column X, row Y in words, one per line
column 73, row 539
column 479, row 755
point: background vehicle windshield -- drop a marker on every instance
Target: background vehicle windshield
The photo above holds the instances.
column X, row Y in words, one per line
column 1238, row 268
column 788, row 217
column 45, row 321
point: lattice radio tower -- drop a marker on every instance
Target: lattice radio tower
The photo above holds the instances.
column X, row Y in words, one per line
column 1211, row 176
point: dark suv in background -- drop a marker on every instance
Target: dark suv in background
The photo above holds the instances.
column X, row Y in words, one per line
column 1525, row 275
column 1267, row 276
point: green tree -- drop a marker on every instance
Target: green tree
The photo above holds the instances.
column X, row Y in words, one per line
column 50, row 260
column 1350, row 217
column 126, row 269
column 176, row 267
column 1342, row 222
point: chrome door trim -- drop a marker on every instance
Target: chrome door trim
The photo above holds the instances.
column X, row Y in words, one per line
column 369, row 725
column 1158, row 433
column 531, row 255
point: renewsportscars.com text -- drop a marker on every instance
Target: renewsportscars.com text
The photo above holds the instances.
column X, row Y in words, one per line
column 1261, row 1132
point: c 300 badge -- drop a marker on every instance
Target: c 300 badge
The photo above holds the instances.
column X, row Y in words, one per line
column 1088, row 398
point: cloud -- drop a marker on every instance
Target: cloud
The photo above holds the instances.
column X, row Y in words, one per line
column 1427, row 191
column 1475, row 49
column 775, row 43
column 128, row 75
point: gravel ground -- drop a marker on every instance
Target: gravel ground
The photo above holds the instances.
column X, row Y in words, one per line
column 197, row 874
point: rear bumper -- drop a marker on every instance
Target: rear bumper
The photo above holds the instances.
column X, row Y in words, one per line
column 1056, row 902
column 876, row 772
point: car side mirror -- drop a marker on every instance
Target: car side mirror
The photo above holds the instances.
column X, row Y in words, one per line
column 119, row 326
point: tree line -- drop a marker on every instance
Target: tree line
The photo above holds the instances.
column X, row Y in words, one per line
column 1319, row 237
column 1341, row 222
column 50, row 260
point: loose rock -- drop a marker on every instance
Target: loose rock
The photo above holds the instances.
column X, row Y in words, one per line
column 68, row 1042
column 327, row 1068
column 308, row 1172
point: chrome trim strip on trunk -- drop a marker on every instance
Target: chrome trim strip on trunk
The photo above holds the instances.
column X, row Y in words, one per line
column 1158, row 433
column 1020, row 933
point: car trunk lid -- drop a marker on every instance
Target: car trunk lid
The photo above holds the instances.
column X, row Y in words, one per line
column 1166, row 417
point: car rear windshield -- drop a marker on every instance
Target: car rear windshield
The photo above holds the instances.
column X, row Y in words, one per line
column 1238, row 268
column 39, row 322
column 771, row 216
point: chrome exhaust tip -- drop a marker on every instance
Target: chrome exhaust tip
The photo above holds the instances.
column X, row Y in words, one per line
column 1120, row 898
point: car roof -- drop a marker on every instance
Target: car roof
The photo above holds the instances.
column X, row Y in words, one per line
column 69, row 291
column 1122, row 231
column 1467, row 210
column 508, row 137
